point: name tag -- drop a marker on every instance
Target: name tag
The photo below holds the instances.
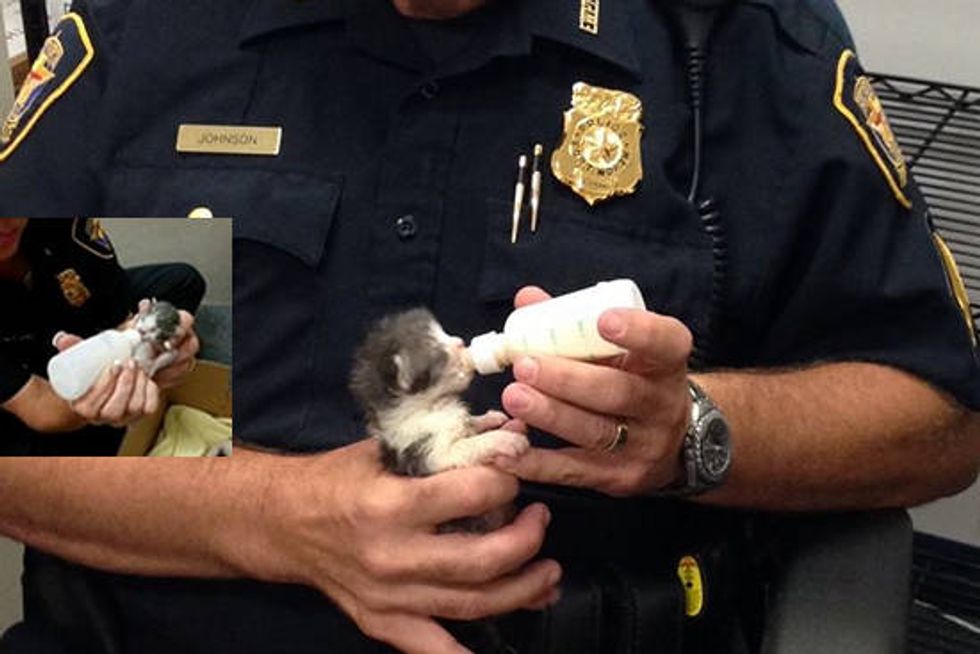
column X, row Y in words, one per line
column 229, row 139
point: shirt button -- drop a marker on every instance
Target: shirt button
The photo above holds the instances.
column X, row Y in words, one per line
column 407, row 227
column 429, row 90
column 201, row 212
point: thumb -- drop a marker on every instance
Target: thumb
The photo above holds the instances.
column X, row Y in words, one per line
column 64, row 340
column 530, row 295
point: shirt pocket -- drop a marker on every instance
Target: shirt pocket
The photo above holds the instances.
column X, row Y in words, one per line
column 278, row 313
column 228, row 191
column 577, row 247
column 282, row 221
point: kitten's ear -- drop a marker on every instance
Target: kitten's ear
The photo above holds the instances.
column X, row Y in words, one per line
column 403, row 372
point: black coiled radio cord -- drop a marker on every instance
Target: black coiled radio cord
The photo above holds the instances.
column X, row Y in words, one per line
column 694, row 22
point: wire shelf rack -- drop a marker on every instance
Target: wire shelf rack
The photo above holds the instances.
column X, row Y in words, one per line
column 938, row 127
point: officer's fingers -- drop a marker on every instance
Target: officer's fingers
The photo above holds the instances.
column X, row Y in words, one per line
column 409, row 633
column 186, row 321
column 152, row 397
column 502, row 595
column 459, row 493
column 573, row 424
column 598, row 388
column 530, row 295
column 462, row 558
column 89, row 405
column 189, row 347
column 64, row 340
column 573, row 466
column 654, row 342
column 545, row 601
column 515, row 425
column 115, row 407
column 184, row 329
column 137, row 400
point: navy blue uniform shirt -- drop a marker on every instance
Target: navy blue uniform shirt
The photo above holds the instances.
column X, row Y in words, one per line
column 395, row 178
column 75, row 284
column 394, row 184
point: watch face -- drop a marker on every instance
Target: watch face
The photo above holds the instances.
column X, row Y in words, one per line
column 716, row 454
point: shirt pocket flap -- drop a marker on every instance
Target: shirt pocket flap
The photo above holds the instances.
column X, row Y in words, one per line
column 287, row 210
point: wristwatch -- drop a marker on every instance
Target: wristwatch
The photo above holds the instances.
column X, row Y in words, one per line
column 707, row 451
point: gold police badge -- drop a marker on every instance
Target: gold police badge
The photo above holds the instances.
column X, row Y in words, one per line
column 75, row 291
column 600, row 155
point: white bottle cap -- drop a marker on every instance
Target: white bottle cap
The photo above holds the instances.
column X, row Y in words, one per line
column 484, row 351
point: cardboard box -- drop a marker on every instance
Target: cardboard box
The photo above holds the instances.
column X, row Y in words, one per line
column 207, row 387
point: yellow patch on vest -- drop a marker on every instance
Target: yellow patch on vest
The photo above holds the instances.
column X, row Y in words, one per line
column 64, row 57
column 957, row 285
column 872, row 127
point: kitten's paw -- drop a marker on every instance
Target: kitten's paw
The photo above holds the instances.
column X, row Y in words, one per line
column 489, row 420
column 508, row 444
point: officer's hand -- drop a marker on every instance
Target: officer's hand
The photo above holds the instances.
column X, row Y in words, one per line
column 122, row 395
column 367, row 539
column 584, row 404
column 186, row 345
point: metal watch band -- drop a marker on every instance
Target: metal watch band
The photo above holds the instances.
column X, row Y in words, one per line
column 697, row 478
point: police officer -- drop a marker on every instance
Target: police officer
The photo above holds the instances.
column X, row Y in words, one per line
column 61, row 281
column 368, row 153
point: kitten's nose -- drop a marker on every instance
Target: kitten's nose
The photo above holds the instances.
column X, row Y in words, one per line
column 456, row 342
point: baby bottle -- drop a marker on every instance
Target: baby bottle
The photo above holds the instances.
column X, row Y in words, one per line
column 73, row 372
column 565, row 326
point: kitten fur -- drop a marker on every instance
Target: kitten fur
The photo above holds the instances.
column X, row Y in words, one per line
column 408, row 376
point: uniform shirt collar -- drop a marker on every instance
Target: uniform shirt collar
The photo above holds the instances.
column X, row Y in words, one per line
column 266, row 17
column 558, row 20
column 555, row 20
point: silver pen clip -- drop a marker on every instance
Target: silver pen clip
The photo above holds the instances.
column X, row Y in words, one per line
column 536, row 186
column 518, row 198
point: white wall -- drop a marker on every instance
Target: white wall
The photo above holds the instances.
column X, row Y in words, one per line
column 6, row 82
column 934, row 39
column 205, row 244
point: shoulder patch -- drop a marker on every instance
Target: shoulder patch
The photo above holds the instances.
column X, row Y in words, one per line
column 956, row 284
column 856, row 99
column 89, row 234
column 64, row 57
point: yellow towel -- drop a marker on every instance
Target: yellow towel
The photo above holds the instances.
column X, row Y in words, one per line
column 191, row 432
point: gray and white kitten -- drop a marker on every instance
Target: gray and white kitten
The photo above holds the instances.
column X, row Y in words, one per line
column 157, row 322
column 408, row 377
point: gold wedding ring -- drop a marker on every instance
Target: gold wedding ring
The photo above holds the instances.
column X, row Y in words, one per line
column 620, row 439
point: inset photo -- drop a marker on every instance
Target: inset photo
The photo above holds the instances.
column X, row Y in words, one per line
column 116, row 337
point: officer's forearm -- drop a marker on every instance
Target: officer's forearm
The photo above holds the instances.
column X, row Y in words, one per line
column 846, row 435
column 38, row 407
column 144, row 516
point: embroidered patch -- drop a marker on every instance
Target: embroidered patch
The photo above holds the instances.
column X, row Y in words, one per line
column 856, row 99
column 64, row 57
column 956, row 284
column 90, row 235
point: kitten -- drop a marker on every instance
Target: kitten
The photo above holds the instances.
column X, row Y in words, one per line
column 157, row 323
column 408, row 377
